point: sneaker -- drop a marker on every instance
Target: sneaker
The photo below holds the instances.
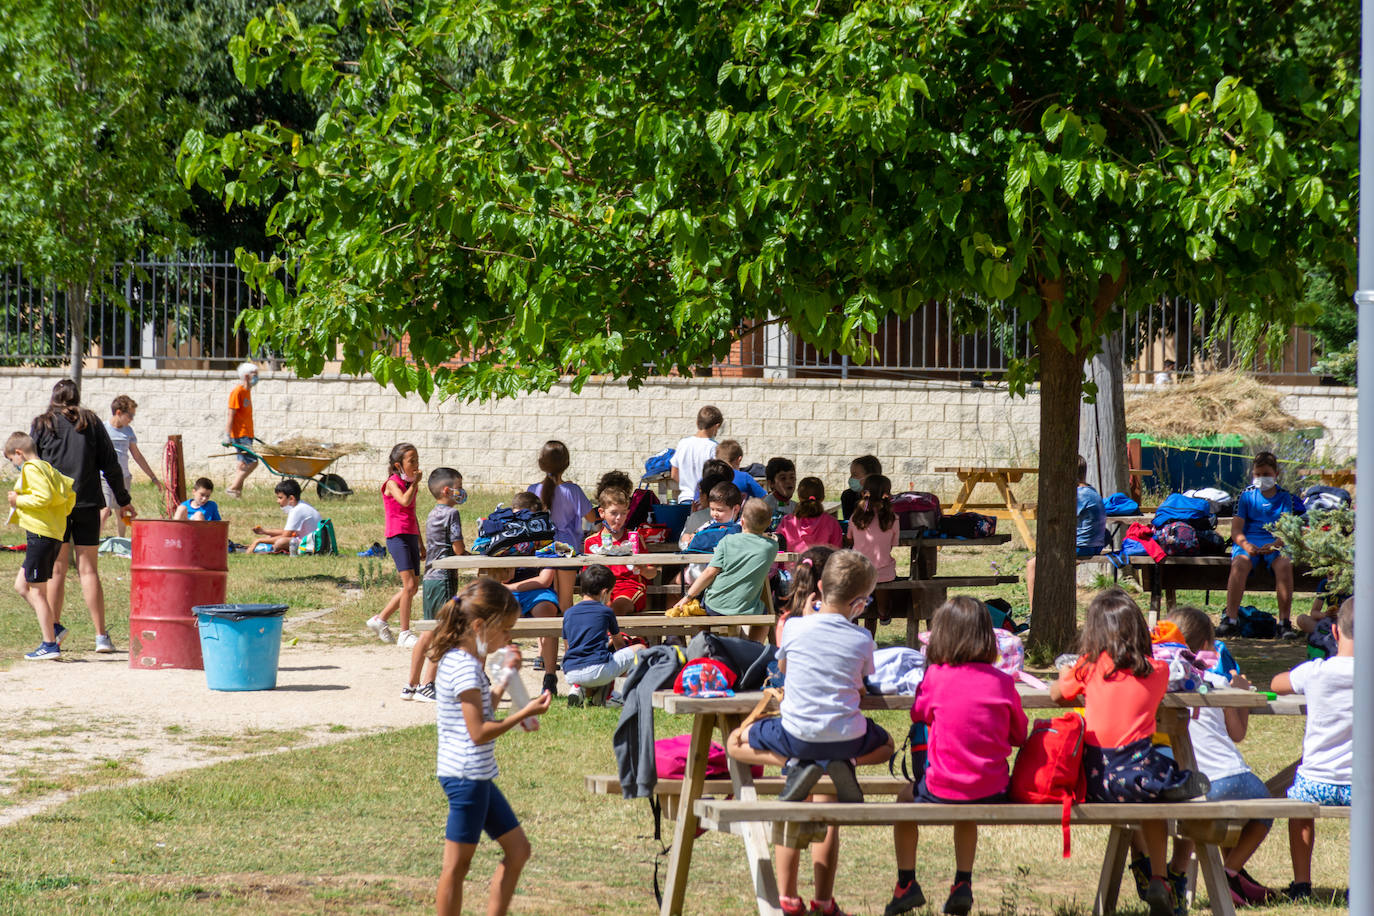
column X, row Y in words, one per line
column 379, row 626
column 537, row 665
column 847, row 789
column 802, row 777
column 905, row 897
column 103, row 644
column 832, row 910
column 59, row 633
column 1140, row 871
column 376, row 550
column 407, row 639
column 960, row 900
column 1249, row 888
column 1296, row 891
column 408, row 692
column 793, row 906
column 575, row 698
column 1195, row 785
column 1178, row 882
column 45, row 650
column 237, row 494
column 551, row 684
column 425, row 693
column 1286, row 630
column 1160, row 896
column 1228, row 626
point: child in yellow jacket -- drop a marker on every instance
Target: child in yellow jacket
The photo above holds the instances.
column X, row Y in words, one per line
column 40, row 504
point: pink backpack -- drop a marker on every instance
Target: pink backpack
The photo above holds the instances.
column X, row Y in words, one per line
column 917, row 510
column 670, row 759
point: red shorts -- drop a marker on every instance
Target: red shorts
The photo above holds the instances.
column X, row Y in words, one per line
column 631, row 587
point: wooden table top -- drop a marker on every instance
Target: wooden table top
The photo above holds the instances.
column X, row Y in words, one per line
column 986, row 470
column 475, row 561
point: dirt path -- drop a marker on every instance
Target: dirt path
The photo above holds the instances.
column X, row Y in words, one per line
column 89, row 720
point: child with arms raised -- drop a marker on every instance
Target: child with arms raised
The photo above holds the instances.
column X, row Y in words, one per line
column 825, row 658
column 477, row 620
column 974, row 717
column 1324, row 776
column 1122, row 685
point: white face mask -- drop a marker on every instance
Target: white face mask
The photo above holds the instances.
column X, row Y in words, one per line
column 1265, row 483
column 481, row 645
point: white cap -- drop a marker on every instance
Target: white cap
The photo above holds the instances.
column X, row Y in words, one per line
column 247, row 369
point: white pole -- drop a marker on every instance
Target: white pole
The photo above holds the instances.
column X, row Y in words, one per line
column 1362, row 779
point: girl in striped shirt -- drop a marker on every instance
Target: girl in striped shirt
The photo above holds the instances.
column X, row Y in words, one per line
column 476, row 621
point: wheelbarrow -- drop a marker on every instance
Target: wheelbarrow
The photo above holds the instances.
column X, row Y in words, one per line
column 303, row 467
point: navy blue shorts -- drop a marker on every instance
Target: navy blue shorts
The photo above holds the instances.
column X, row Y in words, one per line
column 39, row 555
column 768, row 735
column 405, row 551
column 475, row 805
column 922, row 794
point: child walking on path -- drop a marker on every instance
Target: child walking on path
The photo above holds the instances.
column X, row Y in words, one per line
column 825, row 658
column 473, row 623
column 974, row 717
column 39, row 503
column 1122, row 685
column 403, row 539
column 874, row 532
column 1323, row 778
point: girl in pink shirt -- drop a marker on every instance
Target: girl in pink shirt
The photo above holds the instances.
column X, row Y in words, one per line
column 810, row 525
column 974, row 717
column 403, row 539
column 874, row 532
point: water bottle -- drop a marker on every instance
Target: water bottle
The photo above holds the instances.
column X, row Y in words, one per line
column 606, row 539
column 509, row 679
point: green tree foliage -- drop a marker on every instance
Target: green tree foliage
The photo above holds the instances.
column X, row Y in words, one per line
column 1323, row 542
column 86, row 135
column 615, row 188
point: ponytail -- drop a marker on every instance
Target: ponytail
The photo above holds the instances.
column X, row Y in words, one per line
column 65, row 402
column 810, row 493
column 876, row 503
column 553, row 461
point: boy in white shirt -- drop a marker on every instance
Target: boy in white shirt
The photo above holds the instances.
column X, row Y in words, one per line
column 694, row 451
column 301, row 519
column 1323, row 777
column 125, row 442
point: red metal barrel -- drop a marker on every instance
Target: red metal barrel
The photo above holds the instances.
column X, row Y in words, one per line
column 176, row 566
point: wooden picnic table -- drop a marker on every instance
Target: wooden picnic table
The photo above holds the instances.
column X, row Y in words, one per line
column 1002, row 478
column 727, row 713
column 1331, row 477
column 475, row 561
column 1162, row 580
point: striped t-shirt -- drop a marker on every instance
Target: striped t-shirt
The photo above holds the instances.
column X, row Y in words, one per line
column 459, row 672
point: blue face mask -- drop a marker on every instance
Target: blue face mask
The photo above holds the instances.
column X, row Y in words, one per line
column 252, row 381
column 856, row 485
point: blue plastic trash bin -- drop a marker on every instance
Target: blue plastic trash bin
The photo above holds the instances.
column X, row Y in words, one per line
column 241, row 644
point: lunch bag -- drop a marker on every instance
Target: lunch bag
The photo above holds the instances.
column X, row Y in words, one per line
column 968, row 525
column 705, row 540
column 513, row 532
column 1049, row 768
column 917, row 511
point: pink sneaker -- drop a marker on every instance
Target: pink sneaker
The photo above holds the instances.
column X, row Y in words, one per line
column 1246, row 891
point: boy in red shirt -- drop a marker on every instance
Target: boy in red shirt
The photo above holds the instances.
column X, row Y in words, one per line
column 630, row 593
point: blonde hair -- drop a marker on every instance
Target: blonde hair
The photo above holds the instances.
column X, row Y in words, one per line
column 755, row 516
column 848, row 575
column 613, row 496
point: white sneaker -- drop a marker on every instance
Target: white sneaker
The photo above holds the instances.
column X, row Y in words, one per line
column 103, row 644
column 378, row 625
column 407, row 639
column 408, row 692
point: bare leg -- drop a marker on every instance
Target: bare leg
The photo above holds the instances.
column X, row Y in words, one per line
column 401, row 601
column 105, row 514
column 965, row 845
column 457, row 859
column 241, row 473
column 1183, row 851
column 905, row 836
column 91, row 589
column 1302, row 836
column 1156, row 843
column 1235, row 585
column 1251, row 836
column 825, row 859
column 622, row 606
column 1283, row 586
column 881, row 755
column 548, row 645
column 517, row 849
column 33, row 593
column 417, row 657
column 57, row 585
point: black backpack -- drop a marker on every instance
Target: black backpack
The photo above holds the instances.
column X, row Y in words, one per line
column 513, row 532
column 748, row 659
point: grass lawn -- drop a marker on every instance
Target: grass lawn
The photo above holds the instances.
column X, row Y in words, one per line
column 347, row 829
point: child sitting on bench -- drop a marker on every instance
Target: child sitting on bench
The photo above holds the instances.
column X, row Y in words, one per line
column 590, row 630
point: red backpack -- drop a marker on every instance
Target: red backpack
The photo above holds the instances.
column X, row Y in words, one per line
column 1049, row 768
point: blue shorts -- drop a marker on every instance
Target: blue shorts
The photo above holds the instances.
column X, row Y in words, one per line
column 1319, row 793
column 1258, row 561
column 1088, row 551
column 475, row 805
column 405, row 551
column 245, row 459
column 922, row 794
column 1239, row 787
column 768, row 735
column 535, row 596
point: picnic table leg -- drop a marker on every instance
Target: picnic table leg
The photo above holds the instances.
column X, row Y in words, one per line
column 1175, row 722
column 965, row 493
column 1014, row 510
column 685, row 833
column 1113, row 866
column 758, row 847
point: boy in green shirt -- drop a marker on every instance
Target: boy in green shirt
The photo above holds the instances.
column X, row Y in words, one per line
column 736, row 578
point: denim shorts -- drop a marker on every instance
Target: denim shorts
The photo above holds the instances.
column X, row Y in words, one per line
column 405, row 551
column 475, row 805
column 1239, row 787
column 1319, row 793
column 529, row 599
column 245, row 459
column 769, row 735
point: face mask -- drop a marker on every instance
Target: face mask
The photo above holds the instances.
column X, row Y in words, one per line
column 460, row 496
column 856, row 484
column 252, row 381
column 481, row 646
column 1265, row 483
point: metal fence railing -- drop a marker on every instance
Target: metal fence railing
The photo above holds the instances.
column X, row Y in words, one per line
column 182, row 313
column 148, row 314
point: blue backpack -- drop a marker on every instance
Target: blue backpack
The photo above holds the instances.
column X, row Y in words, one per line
column 1256, row 624
column 1179, row 508
column 513, row 532
column 705, row 540
column 661, row 463
column 1120, row 504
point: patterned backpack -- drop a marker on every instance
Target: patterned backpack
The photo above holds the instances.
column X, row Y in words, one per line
column 1177, row 539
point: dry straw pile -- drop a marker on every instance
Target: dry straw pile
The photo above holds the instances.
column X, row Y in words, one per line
column 1210, row 405
column 309, row 448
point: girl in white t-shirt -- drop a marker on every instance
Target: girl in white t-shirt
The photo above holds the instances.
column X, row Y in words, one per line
column 477, row 620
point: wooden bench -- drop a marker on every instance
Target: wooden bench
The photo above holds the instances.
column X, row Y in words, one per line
column 669, row 791
column 1205, row 574
column 637, row 625
column 926, row 596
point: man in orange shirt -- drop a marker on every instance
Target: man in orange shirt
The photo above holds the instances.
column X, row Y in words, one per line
column 239, row 429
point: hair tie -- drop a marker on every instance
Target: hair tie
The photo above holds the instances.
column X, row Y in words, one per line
column 811, row 499
column 806, row 561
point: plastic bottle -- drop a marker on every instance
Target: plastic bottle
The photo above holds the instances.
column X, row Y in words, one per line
column 508, row 679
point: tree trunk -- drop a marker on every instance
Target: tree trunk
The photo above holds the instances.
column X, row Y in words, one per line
column 76, row 331
column 1102, row 425
column 1055, row 622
